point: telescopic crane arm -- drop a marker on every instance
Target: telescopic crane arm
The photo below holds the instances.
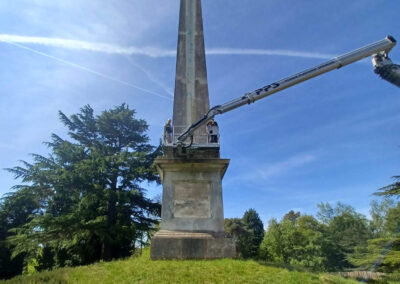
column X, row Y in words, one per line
column 383, row 67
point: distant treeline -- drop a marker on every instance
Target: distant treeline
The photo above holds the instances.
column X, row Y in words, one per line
column 336, row 239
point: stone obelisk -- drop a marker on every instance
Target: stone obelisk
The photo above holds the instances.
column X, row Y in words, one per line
column 191, row 100
column 192, row 221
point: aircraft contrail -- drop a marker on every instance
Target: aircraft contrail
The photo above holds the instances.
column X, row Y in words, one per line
column 151, row 77
column 151, row 51
column 18, row 41
column 87, row 70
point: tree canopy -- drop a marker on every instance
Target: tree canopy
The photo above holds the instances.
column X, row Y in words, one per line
column 391, row 189
column 323, row 244
column 86, row 197
column 296, row 240
column 248, row 233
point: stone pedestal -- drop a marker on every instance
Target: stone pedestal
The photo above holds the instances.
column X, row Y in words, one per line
column 192, row 225
column 191, row 245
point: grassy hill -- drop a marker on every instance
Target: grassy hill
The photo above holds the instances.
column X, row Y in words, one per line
column 143, row 270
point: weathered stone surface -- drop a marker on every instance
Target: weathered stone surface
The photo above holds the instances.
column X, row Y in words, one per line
column 192, row 225
column 191, row 100
column 192, row 199
column 191, row 245
column 192, row 194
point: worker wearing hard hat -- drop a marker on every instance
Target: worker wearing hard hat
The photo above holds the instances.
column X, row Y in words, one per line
column 168, row 131
column 213, row 131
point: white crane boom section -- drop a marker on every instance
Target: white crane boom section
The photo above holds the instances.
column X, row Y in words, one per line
column 379, row 47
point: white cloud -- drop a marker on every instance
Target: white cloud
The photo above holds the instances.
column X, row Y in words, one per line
column 278, row 168
column 150, row 51
column 89, row 46
column 281, row 167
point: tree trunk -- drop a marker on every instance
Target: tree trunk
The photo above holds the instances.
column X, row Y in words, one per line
column 109, row 248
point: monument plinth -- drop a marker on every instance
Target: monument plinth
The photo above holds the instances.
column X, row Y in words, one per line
column 192, row 225
column 192, row 220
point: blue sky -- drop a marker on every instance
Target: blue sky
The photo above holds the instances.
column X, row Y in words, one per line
column 333, row 138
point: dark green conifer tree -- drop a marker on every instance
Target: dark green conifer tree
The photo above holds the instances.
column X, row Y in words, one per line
column 391, row 189
column 93, row 204
column 255, row 226
column 16, row 209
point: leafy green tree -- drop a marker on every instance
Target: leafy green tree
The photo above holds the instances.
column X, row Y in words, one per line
column 296, row 240
column 325, row 213
column 392, row 223
column 272, row 247
column 312, row 248
column 239, row 232
column 94, row 206
column 248, row 233
column 379, row 212
column 291, row 216
column 320, row 246
column 345, row 229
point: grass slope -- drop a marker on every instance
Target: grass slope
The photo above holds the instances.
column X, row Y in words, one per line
column 143, row 270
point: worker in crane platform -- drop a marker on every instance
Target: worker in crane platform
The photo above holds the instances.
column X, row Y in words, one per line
column 168, row 131
column 213, row 131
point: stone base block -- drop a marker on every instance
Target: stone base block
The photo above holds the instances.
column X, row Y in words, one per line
column 191, row 245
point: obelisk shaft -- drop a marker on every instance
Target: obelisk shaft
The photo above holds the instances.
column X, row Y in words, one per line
column 192, row 225
column 191, row 99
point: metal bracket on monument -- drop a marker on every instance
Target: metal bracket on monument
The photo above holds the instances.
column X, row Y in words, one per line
column 181, row 148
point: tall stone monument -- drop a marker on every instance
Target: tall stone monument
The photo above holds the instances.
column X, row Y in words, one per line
column 192, row 221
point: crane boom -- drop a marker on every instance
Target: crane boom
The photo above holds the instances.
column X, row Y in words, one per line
column 381, row 47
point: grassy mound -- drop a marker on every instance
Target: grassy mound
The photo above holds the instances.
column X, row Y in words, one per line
column 143, row 270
